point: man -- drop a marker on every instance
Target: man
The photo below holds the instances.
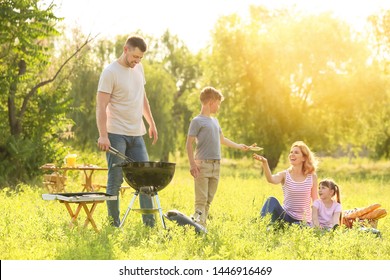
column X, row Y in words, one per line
column 121, row 104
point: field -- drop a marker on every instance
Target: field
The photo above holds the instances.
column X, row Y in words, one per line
column 34, row 229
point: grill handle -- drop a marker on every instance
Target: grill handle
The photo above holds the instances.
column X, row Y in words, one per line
column 119, row 154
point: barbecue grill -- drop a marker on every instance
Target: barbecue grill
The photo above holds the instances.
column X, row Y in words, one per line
column 147, row 178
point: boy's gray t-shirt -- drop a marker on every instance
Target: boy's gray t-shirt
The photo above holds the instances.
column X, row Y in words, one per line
column 207, row 132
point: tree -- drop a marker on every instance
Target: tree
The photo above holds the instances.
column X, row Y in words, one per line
column 184, row 68
column 160, row 87
column 380, row 123
column 289, row 76
column 23, row 49
column 84, row 81
column 27, row 70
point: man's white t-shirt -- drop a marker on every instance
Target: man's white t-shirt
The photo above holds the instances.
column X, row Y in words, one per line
column 125, row 109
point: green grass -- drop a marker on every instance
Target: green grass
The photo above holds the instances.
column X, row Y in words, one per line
column 34, row 229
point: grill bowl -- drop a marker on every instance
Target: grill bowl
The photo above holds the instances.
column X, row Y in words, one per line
column 148, row 174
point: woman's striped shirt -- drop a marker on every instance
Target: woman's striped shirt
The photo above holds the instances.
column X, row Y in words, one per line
column 297, row 197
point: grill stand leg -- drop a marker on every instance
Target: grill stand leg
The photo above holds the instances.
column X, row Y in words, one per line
column 157, row 200
column 128, row 209
column 160, row 210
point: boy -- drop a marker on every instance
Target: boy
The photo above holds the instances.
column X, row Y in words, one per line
column 205, row 166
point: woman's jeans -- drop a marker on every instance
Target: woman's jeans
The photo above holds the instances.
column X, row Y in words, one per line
column 134, row 148
column 273, row 207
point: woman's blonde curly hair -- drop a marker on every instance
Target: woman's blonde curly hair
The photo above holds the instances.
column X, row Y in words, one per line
column 311, row 162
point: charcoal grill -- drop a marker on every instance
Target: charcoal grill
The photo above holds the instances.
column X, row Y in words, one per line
column 146, row 177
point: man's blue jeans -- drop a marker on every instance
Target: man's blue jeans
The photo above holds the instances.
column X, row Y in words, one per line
column 273, row 207
column 134, row 148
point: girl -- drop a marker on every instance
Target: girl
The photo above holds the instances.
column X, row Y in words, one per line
column 299, row 183
column 326, row 212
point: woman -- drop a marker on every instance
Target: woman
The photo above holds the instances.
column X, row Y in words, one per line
column 299, row 183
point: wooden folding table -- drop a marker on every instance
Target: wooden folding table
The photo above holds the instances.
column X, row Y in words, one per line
column 57, row 184
column 82, row 200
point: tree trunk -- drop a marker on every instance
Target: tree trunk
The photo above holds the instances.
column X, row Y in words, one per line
column 15, row 117
column 14, row 123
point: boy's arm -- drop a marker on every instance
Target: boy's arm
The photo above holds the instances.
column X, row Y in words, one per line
column 227, row 142
column 194, row 169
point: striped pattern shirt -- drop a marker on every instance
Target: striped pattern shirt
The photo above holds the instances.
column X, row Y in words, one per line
column 297, row 197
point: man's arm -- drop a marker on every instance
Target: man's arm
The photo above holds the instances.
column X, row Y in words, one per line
column 149, row 118
column 102, row 101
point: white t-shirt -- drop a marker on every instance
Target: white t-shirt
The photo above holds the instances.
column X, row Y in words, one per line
column 125, row 110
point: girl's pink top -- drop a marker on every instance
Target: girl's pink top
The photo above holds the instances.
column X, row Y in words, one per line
column 325, row 215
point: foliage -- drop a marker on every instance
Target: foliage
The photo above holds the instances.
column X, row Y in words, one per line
column 160, row 88
column 286, row 76
column 235, row 231
column 184, row 68
column 26, row 29
column 84, row 80
column 380, row 122
column 282, row 85
column 34, row 86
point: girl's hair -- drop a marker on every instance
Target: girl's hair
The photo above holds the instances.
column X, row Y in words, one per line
column 310, row 164
column 329, row 183
column 210, row 93
column 333, row 186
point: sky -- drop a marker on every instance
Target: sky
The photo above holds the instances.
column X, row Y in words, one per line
column 190, row 20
